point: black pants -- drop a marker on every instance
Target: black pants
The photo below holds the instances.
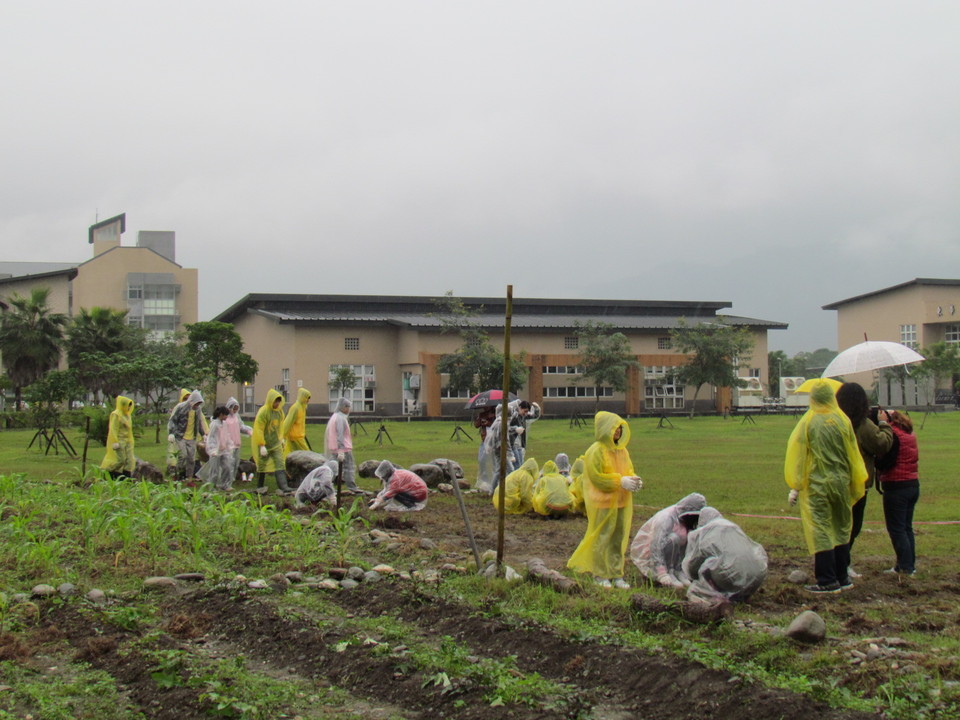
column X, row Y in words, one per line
column 830, row 566
column 858, row 509
column 899, row 500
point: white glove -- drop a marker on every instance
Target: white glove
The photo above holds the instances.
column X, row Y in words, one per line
column 116, row 446
column 629, row 483
column 263, row 451
column 520, row 430
column 792, row 497
column 376, row 504
column 667, row 580
column 171, row 438
column 213, row 454
column 341, row 457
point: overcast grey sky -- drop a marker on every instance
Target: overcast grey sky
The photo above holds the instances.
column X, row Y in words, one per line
column 777, row 155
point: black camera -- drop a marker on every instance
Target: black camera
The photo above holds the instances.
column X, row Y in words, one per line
column 874, row 414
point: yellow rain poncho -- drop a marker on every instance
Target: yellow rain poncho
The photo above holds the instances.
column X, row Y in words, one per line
column 551, row 494
column 294, row 429
column 576, row 485
column 120, row 457
column 518, row 489
column 266, row 432
column 824, row 465
column 609, row 507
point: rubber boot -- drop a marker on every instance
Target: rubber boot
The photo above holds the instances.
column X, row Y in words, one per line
column 281, row 477
column 261, row 479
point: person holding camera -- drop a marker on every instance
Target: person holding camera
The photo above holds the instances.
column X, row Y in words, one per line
column 874, row 438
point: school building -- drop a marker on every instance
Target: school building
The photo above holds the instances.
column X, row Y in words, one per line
column 393, row 345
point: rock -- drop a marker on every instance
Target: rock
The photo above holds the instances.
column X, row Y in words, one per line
column 384, row 569
column 428, row 544
column 368, row 468
column 807, row 627
column 295, row 576
column 159, row 583
column 371, row 576
column 356, row 573
column 97, row 597
column 445, row 487
column 509, row 574
column 278, row 581
column 431, row 474
column 394, row 546
column 348, row 584
column 147, row 471
column 487, row 557
column 379, row 535
column 258, row 585
column 328, row 584
column 20, row 598
column 463, row 483
column 67, row 589
column 299, row 463
column 452, row 470
column 797, row 577
column 39, row 591
column 338, row 573
column 191, row 577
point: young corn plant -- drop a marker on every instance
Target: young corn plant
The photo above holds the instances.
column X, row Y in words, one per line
column 343, row 523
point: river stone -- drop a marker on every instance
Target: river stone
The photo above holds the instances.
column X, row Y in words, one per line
column 43, row 590
column 299, row 463
column 279, row 580
column 368, row 468
column 797, row 577
column 431, row 474
column 97, row 596
column 191, row 577
column 159, row 583
column 356, row 573
column 258, row 585
column 452, row 470
column 67, row 589
column 295, row 576
column 20, row 598
column 445, row 487
column 371, row 576
column 428, row 544
column 328, row 584
column 338, row 573
column 348, row 584
column 384, row 569
column 807, row 627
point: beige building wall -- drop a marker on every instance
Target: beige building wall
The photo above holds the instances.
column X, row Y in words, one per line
column 59, row 286
column 102, row 281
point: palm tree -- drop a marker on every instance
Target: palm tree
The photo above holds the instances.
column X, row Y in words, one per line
column 30, row 338
column 94, row 337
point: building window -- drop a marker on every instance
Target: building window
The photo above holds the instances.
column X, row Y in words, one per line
column 576, row 391
column 362, row 395
column 951, row 334
column 571, row 343
column 661, row 390
column 448, row 394
column 561, row 370
column 753, row 372
column 664, row 343
column 134, row 292
column 908, row 336
column 351, row 343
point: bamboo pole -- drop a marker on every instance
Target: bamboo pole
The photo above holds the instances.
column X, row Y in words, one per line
column 504, row 429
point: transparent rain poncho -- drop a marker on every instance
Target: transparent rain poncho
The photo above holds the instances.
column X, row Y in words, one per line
column 721, row 561
column 608, row 506
column 823, row 463
column 659, row 545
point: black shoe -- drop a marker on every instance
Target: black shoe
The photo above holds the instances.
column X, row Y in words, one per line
column 848, row 585
column 823, row 589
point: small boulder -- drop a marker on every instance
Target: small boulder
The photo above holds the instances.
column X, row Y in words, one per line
column 97, row 597
column 452, row 470
column 807, row 627
column 43, row 590
column 258, row 585
column 797, row 577
column 431, row 474
column 428, row 544
column 356, row 573
column 328, row 584
column 371, row 576
column 338, row 573
column 368, row 468
column 159, row 583
column 445, row 487
column 299, row 463
column 384, row 569
column 67, row 589
column 348, row 584
column 295, row 576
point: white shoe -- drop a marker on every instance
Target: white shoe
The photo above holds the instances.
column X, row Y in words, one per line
column 852, row 573
column 621, row 584
column 602, row 582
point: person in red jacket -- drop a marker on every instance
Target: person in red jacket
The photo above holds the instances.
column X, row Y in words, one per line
column 901, row 490
column 403, row 491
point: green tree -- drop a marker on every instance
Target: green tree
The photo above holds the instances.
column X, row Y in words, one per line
column 99, row 340
column 476, row 365
column 51, row 395
column 156, row 374
column 215, row 353
column 30, row 339
column 342, row 379
column 605, row 356
column 715, row 350
column 941, row 363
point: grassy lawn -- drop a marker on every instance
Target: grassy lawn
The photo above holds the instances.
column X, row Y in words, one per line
column 59, row 525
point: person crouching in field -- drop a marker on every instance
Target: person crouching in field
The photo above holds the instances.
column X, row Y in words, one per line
column 551, row 493
column 403, row 490
column 518, row 489
column 661, row 542
column 120, row 460
column 317, row 486
column 608, row 481
column 826, row 476
column 721, row 561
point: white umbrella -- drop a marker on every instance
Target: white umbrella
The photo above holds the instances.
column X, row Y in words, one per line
column 871, row 355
